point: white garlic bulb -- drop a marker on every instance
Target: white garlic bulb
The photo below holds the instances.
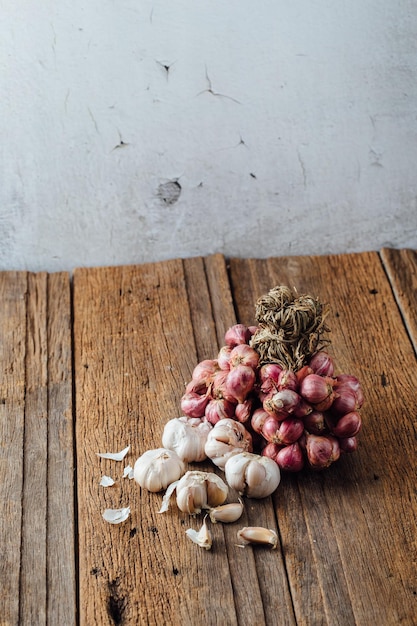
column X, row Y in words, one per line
column 200, row 490
column 227, row 437
column 187, row 436
column 158, row 468
column 252, row 475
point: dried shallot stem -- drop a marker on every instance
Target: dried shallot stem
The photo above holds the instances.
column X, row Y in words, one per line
column 289, row 328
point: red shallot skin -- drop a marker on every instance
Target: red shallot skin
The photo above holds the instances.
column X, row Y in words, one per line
column 291, row 458
column 237, row 334
column 321, row 450
column 243, row 354
column 271, row 450
column 322, row 363
column 270, row 429
column 282, row 403
column 258, row 419
column 303, row 408
column 240, row 382
column 348, row 425
column 270, row 372
column 315, row 423
column 344, row 402
column 287, row 380
column 223, row 357
column 218, row 409
column 243, row 410
column 303, row 372
column 194, row 404
column 315, row 388
column 350, row 444
column 347, row 381
column 205, row 370
column 290, row 430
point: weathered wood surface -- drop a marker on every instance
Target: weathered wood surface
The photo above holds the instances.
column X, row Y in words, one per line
column 37, row 565
column 347, row 552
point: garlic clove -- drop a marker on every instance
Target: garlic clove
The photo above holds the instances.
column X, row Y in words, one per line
column 227, row 513
column 258, row 535
column 158, row 468
column 203, row 537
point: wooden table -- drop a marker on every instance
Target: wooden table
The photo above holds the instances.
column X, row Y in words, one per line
column 99, row 362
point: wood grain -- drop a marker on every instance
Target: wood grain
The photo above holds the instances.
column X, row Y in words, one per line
column 37, row 450
column 401, row 267
column 346, row 570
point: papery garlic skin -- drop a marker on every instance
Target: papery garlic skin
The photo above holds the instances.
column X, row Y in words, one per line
column 187, row 436
column 252, row 475
column 228, row 437
column 202, row 537
column 158, row 468
column 200, row 490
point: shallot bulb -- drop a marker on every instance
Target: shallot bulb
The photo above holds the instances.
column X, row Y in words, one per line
column 240, row 382
column 315, row 388
column 348, row 425
column 322, row 450
column 227, row 437
column 252, row 475
column 285, row 431
column 218, row 409
column 289, row 458
column 322, row 364
column 244, row 355
column 194, row 404
column 223, row 358
column 187, row 436
column 281, row 403
column 237, row 334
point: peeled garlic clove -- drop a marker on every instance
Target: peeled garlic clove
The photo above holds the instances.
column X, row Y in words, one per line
column 187, row 436
column 252, row 475
column 158, row 468
column 258, row 535
column 202, row 537
column 227, row 513
column 227, row 437
column 200, row 490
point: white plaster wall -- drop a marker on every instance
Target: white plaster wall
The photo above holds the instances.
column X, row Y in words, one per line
column 287, row 128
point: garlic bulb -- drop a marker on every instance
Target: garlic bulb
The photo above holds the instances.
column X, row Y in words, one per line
column 252, row 475
column 187, row 437
column 228, row 437
column 200, row 490
column 156, row 469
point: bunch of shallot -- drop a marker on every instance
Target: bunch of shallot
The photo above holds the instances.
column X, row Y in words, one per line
column 293, row 409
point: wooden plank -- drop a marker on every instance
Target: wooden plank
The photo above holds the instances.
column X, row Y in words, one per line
column 135, row 328
column 37, row 539
column 401, row 268
column 335, row 525
column 61, row 561
column 13, row 287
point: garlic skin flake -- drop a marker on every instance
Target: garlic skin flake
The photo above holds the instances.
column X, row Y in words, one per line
column 187, row 437
column 116, row 516
column 106, row 481
column 158, row 468
column 228, row 437
column 200, row 490
column 114, row 456
column 202, row 537
column 252, row 475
